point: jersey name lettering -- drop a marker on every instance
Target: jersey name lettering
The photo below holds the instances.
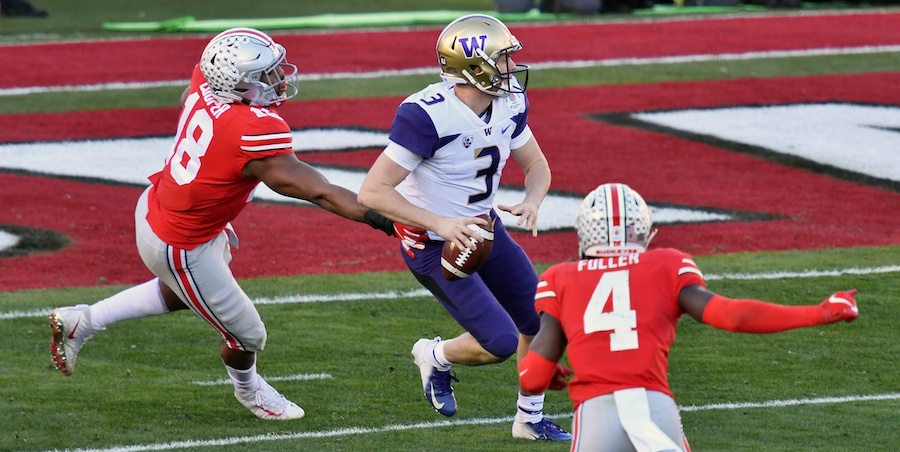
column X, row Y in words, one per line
column 606, row 263
column 216, row 107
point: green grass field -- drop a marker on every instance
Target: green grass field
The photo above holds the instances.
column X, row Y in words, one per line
column 135, row 386
column 134, row 383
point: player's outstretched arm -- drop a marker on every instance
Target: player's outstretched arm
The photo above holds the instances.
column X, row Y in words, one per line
column 754, row 316
column 289, row 176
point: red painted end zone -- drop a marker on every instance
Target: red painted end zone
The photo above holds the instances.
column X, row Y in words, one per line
column 283, row 240
column 819, row 211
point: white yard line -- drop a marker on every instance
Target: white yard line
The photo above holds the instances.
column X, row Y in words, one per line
column 801, row 274
column 349, row 431
column 611, row 62
column 295, row 377
column 792, row 402
column 416, row 293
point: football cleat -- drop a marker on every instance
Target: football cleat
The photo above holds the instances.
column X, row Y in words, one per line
column 267, row 403
column 71, row 329
column 435, row 381
column 545, row 429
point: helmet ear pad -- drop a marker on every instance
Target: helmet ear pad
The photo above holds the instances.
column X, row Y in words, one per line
column 476, row 74
column 248, row 91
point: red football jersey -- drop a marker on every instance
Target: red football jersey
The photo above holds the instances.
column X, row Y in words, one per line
column 201, row 188
column 619, row 316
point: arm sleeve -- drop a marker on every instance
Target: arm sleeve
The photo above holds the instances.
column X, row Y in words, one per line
column 535, row 373
column 414, row 130
column 752, row 316
column 545, row 299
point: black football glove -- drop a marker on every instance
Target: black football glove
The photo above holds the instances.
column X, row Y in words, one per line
column 378, row 221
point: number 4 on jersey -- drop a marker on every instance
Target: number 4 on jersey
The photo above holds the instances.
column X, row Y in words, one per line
column 621, row 320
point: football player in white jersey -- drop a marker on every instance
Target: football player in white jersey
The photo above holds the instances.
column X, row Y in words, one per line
column 450, row 142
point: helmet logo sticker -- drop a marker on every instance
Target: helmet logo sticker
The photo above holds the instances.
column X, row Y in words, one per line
column 617, row 236
column 472, row 44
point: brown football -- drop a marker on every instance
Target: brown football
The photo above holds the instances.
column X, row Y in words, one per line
column 461, row 263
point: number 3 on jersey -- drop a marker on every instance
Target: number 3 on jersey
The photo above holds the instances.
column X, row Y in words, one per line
column 622, row 320
column 193, row 144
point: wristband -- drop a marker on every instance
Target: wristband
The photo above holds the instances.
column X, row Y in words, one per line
column 536, row 372
column 378, row 221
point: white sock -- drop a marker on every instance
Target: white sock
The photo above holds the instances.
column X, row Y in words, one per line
column 439, row 356
column 530, row 408
column 143, row 300
column 244, row 380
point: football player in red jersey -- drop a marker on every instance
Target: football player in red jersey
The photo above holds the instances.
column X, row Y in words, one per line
column 616, row 311
column 229, row 139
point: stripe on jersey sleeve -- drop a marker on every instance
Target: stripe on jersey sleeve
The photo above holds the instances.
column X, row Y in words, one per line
column 267, row 142
column 543, row 291
column 690, row 267
column 684, row 270
column 616, row 218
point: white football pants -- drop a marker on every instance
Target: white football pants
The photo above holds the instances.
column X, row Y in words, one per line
column 204, row 282
column 636, row 420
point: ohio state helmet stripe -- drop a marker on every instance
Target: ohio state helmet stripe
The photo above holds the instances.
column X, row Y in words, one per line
column 249, row 31
column 614, row 199
column 622, row 213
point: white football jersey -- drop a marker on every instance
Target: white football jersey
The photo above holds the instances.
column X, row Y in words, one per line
column 455, row 157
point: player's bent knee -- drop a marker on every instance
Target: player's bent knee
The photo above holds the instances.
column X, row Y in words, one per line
column 254, row 341
column 503, row 346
